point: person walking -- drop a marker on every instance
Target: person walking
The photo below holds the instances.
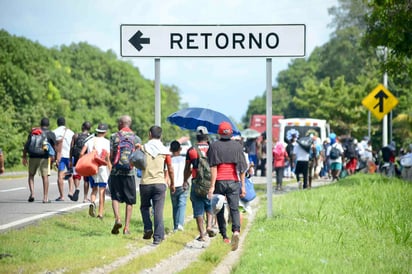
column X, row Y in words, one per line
column 201, row 205
column 227, row 167
column 406, row 163
column 78, row 141
column 98, row 182
column 64, row 137
column 122, row 183
column 179, row 197
column 37, row 145
column 153, row 185
column 280, row 155
column 1, row 161
column 302, row 164
column 335, row 160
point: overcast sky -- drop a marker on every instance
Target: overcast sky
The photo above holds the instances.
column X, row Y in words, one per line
column 223, row 84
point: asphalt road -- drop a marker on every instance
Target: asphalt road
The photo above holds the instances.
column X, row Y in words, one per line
column 16, row 211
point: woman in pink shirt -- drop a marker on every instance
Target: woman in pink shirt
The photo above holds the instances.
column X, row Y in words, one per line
column 279, row 157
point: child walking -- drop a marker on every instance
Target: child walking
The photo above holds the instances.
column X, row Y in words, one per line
column 98, row 182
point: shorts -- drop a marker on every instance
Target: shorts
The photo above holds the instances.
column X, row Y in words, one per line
column 200, row 205
column 336, row 166
column 123, row 188
column 63, row 164
column 41, row 164
column 351, row 165
column 94, row 184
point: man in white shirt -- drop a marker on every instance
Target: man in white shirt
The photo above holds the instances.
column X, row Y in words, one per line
column 64, row 139
column 301, row 156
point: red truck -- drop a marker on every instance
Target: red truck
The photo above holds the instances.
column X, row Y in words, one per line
column 258, row 122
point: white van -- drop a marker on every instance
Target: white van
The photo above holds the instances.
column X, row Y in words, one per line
column 302, row 127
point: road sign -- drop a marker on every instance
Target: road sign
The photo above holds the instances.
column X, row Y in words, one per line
column 212, row 40
column 380, row 101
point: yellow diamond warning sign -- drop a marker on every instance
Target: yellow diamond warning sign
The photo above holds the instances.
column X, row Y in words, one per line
column 380, row 101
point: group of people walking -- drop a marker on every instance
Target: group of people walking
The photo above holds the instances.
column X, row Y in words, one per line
column 333, row 158
column 165, row 168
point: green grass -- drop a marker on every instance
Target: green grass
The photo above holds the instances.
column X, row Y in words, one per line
column 362, row 224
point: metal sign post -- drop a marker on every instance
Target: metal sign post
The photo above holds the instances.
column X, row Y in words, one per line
column 262, row 40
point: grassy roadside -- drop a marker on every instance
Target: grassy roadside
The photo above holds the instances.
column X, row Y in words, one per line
column 362, row 224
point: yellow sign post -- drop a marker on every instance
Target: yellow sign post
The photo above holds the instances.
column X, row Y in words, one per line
column 380, row 101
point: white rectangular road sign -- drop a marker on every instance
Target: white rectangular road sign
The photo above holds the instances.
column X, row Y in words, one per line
column 213, row 40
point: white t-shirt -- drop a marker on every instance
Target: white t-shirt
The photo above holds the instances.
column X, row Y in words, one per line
column 178, row 163
column 99, row 143
column 301, row 154
column 67, row 133
column 338, row 146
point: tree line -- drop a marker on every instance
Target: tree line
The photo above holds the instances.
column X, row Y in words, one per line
column 331, row 83
column 79, row 82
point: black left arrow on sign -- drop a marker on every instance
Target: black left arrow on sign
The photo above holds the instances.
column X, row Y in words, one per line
column 381, row 96
column 137, row 40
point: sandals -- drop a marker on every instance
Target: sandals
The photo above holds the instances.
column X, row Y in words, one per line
column 59, row 199
column 31, row 199
column 200, row 239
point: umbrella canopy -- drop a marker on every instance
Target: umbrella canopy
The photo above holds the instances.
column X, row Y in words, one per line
column 191, row 118
column 250, row 133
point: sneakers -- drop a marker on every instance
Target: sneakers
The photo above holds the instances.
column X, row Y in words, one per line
column 147, row 235
column 92, row 210
column 76, row 195
column 226, row 240
column 235, row 240
column 116, row 227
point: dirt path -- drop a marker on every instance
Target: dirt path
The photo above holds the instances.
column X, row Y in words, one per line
column 191, row 252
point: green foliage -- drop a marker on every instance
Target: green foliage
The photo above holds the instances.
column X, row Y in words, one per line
column 79, row 82
column 359, row 224
column 389, row 24
column 332, row 82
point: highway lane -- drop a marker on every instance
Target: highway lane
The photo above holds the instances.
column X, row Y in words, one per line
column 16, row 211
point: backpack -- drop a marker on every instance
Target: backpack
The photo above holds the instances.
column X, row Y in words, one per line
column 81, row 139
column 201, row 183
column 350, row 151
column 37, row 143
column 124, row 150
column 334, row 153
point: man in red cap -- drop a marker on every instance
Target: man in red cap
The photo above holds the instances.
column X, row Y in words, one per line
column 227, row 167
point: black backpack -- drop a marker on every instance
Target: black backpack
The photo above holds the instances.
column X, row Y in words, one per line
column 334, row 153
column 37, row 143
column 81, row 139
column 350, row 150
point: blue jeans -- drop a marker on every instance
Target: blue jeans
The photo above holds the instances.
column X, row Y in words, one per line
column 153, row 195
column 179, row 199
column 231, row 190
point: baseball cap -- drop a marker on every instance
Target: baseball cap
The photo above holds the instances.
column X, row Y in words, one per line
column 201, row 130
column 225, row 130
column 101, row 128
